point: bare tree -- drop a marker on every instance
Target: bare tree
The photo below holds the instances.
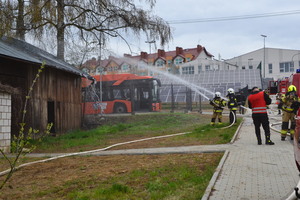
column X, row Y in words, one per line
column 109, row 18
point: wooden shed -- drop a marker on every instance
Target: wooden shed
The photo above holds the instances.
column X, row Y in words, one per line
column 56, row 95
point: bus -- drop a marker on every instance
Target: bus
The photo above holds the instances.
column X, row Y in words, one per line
column 120, row 93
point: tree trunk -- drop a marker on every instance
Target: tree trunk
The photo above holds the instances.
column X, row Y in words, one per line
column 20, row 33
column 60, row 30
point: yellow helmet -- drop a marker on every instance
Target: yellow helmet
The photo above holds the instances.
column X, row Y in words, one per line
column 292, row 88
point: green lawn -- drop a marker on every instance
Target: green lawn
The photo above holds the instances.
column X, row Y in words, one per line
column 127, row 128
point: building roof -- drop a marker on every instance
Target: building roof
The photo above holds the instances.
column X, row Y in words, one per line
column 160, row 54
column 23, row 51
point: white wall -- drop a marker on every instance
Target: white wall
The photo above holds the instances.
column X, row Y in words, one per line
column 272, row 56
column 5, row 121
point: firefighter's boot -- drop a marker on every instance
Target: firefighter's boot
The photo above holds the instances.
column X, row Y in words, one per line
column 269, row 141
column 292, row 132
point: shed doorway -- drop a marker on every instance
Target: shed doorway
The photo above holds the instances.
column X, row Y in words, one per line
column 51, row 115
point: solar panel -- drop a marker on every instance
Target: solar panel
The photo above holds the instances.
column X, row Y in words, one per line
column 208, row 80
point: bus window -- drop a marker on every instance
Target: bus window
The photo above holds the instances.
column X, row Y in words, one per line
column 117, row 94
column 145, row 94
column 126, row 92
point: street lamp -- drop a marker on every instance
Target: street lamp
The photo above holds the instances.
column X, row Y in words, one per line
column 264, row 73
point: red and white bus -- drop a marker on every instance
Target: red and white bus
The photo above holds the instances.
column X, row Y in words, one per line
column 120, row 93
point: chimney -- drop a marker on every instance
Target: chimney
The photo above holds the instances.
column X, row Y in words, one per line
column 161, row 53
column 199, row 48
column 127, row 55
column 179, row 50
column 144, row 55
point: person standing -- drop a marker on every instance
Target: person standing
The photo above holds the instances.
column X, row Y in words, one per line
column 258, row 101
column 232, row 105
column 218, row 104
column 289, row 105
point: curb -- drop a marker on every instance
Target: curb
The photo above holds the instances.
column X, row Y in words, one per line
column 237, row 132
column 215, row 176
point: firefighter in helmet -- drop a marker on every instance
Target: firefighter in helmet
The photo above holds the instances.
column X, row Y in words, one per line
column 232, row 105
column 218, row 104
column 289, row 105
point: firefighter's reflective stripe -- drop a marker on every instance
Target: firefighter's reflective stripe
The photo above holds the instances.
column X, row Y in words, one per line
column 259, row 110
column 288, row 109
column 283, row 132
column 218, row 110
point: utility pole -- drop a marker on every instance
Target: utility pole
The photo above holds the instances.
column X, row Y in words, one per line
column 264, row 70
column 150, row 42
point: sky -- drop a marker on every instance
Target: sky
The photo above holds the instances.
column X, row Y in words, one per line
column 223, row 39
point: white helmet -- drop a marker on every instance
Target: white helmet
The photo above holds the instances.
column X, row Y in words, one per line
column 217, row 94
column 230, row 91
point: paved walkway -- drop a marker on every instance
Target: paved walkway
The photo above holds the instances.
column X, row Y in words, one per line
column 246, row 171
column 251, row 171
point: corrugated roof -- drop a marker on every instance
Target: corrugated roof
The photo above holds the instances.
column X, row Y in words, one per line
column 21, row 50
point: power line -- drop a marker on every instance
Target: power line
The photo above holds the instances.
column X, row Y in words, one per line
column 241, row 17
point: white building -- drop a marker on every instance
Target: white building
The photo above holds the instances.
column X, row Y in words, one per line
column 275, row 63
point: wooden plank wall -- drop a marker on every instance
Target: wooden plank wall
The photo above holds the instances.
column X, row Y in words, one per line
column 62, row 88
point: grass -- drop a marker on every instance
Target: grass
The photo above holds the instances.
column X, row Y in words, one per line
column 166, row 182
column 153, row 177
column 123, row 129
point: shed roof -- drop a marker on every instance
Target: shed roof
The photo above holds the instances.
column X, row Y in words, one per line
column 23, row 51
column 8, row 89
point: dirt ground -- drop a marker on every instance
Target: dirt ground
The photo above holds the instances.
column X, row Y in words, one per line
column 55, row 179
column 52, row 180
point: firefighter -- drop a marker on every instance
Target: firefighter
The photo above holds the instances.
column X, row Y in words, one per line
column 258, row 101
column 232, row 105
column 289, row 105
column 218, row 104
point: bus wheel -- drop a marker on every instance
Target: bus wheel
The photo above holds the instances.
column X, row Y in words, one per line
column 120, row 108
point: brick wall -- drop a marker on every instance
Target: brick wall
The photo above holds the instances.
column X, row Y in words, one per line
column 5, row 121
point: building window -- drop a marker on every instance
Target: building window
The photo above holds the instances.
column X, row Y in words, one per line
column 160, row 63
column 270, row 68
column 125, row 67
column 250, row 66
column 99, row 70
column 169, row 62
column 188, row 70
column 243, row 67
column 286, row 67
column 199, row 68
column 207, row 67
column 188, row 59
column 178, row 61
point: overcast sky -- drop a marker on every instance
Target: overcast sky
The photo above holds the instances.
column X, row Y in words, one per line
column 228, row 38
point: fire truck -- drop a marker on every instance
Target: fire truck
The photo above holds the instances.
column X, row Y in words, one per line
column 279, row 86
